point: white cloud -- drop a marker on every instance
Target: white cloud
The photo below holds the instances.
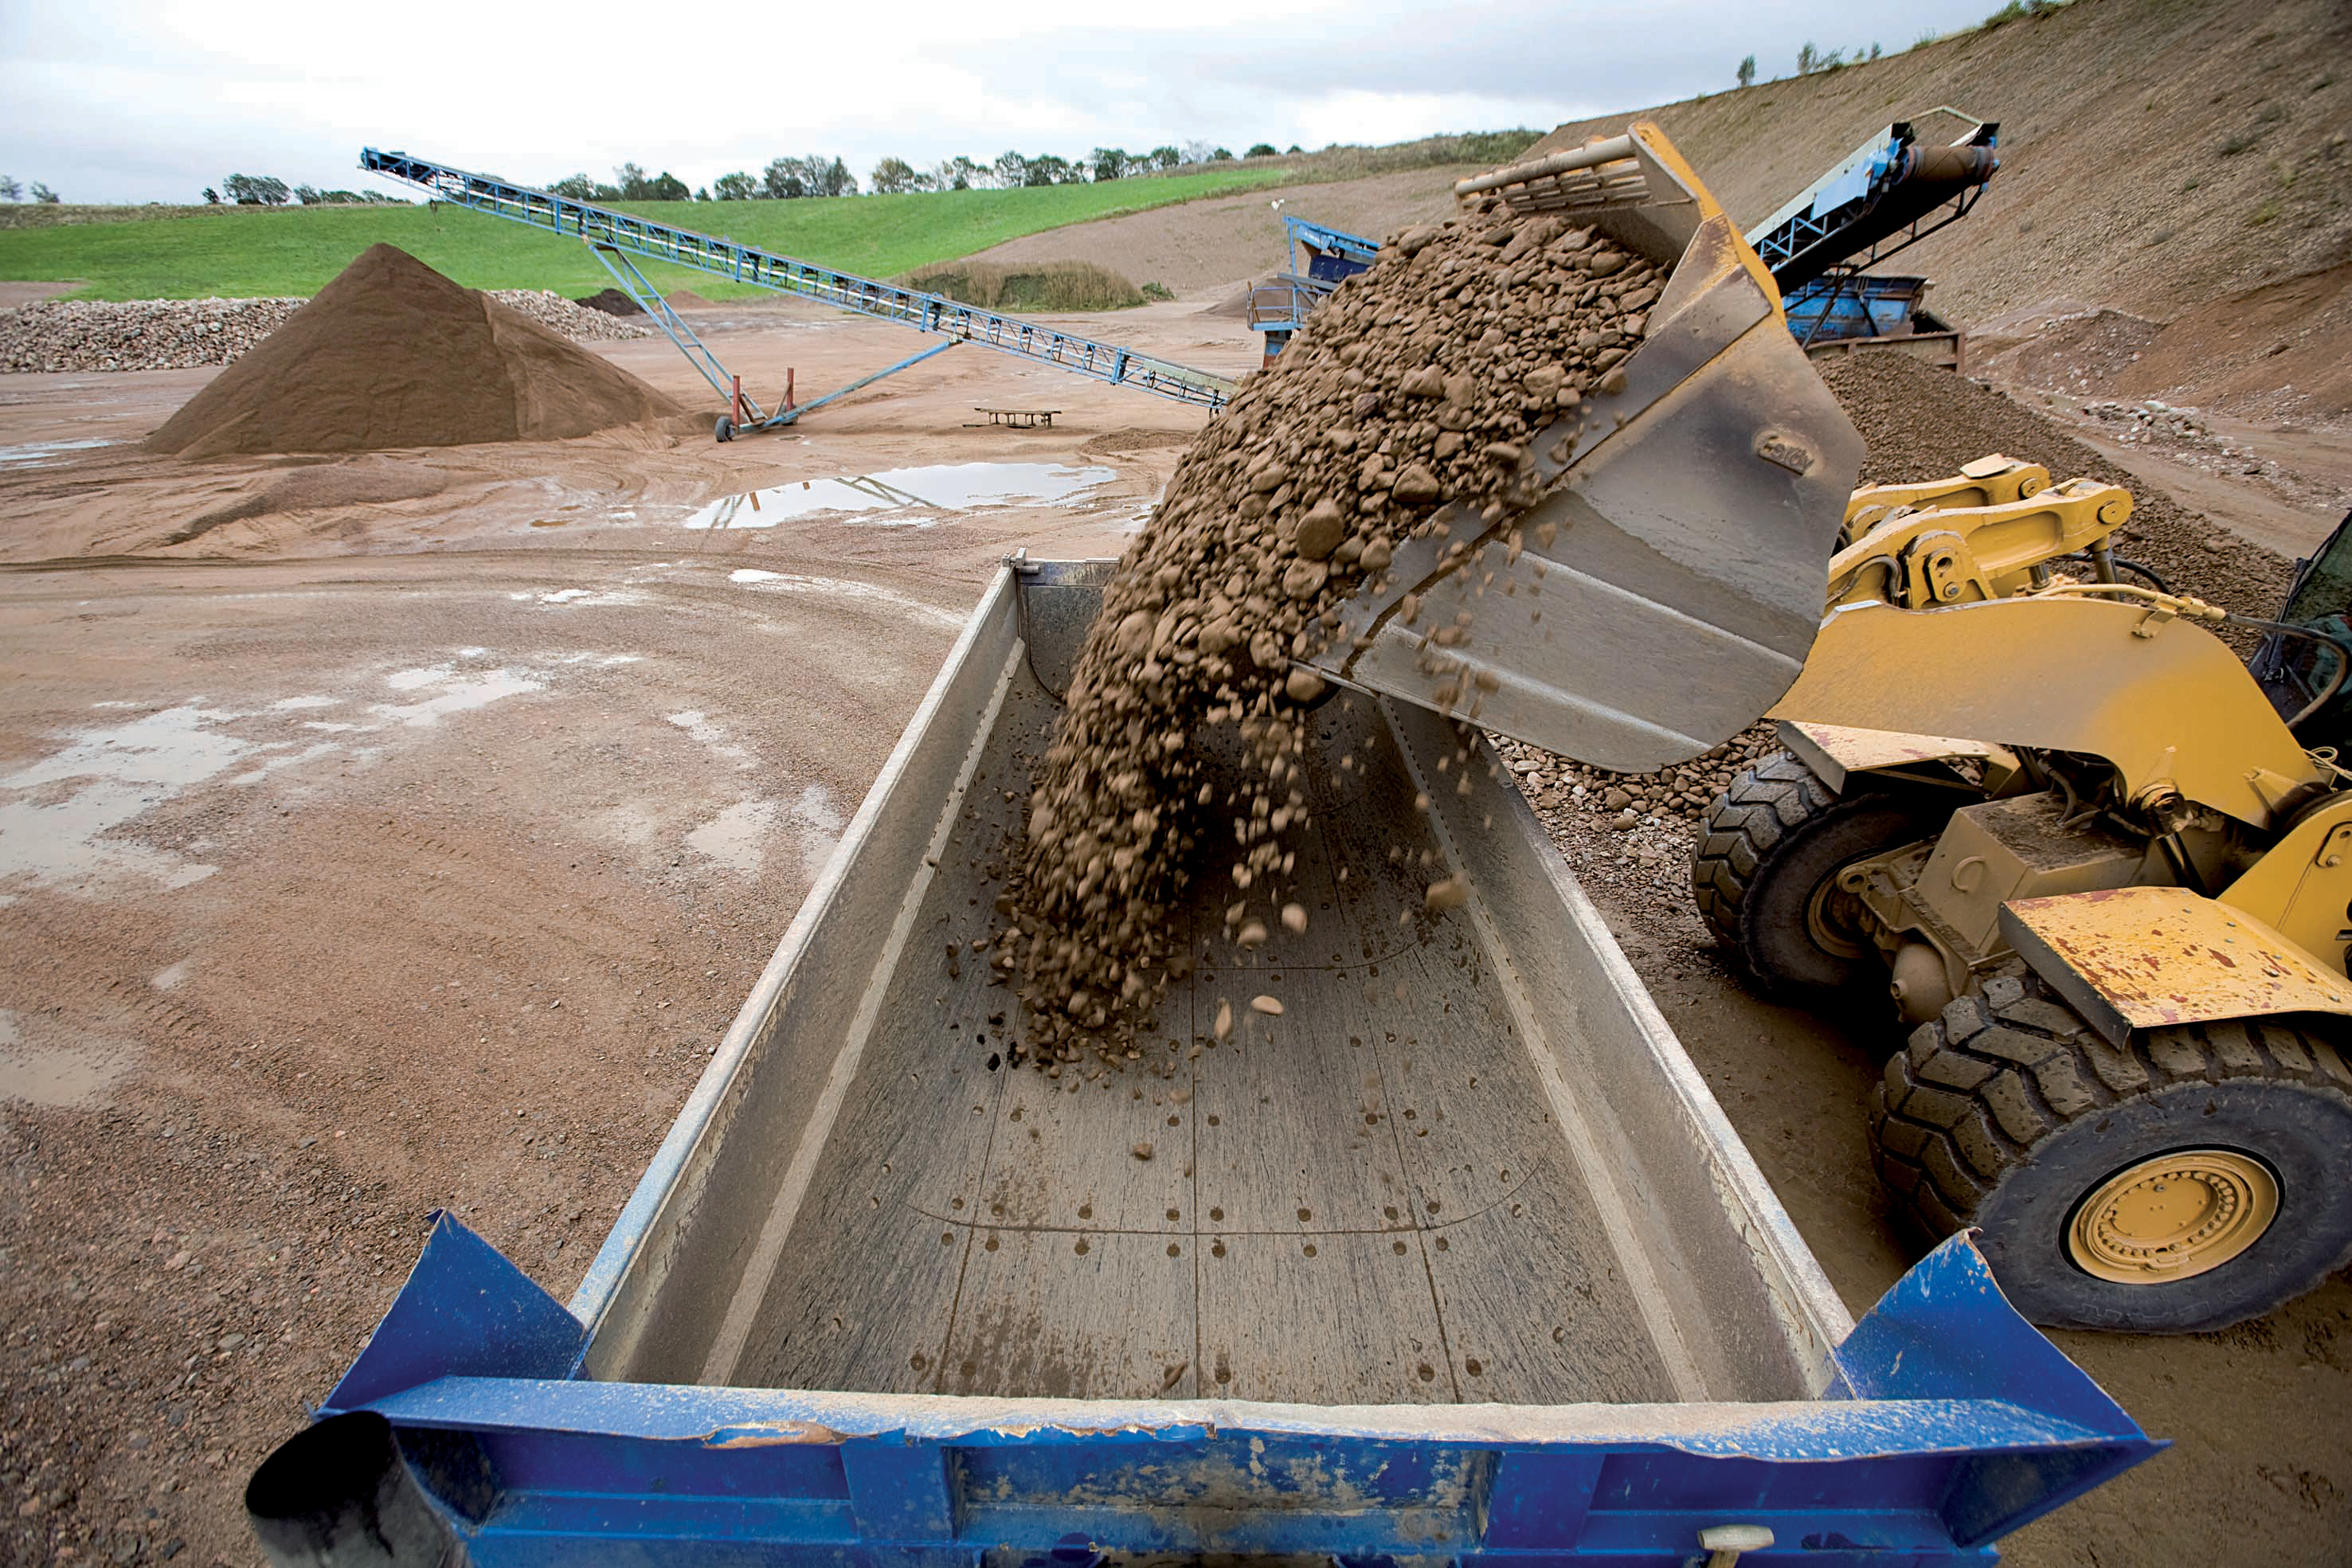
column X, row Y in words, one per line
column 136, row 100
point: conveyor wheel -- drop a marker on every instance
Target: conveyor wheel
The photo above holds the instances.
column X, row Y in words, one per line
column 1765, row 871
column 726, row 431
column 2190, row 1180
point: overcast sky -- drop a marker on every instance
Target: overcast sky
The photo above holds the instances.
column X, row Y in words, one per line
column 134, row 101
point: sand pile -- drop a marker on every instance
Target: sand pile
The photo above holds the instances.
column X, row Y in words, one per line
column 393, row 354
column 1416, row 388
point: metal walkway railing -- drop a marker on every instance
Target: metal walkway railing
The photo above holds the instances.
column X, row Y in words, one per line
column 607, row 227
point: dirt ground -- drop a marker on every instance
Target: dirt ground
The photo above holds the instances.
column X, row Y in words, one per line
column 405, row 835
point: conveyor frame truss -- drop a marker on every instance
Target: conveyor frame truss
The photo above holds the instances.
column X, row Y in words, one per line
column 617, row 235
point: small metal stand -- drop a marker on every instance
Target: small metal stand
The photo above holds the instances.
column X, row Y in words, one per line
column 1014, row 418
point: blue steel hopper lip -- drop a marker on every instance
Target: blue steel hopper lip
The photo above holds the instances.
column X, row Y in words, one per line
column 1942, row 1373
column 1787, row 1432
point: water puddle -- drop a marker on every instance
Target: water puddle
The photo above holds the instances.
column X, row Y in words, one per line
column 905, row 497
column 65, row 819
column 739, row 838
column 34, row 453
column 61, row 1076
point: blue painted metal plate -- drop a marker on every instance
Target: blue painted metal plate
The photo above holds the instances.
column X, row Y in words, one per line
column 1951, row 1421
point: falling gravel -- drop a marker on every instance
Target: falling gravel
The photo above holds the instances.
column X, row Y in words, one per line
column 1407, row 408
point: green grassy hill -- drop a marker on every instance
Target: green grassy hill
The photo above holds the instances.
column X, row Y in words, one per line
column 189, row 254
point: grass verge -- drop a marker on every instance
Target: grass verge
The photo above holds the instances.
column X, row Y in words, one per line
column 248, row 252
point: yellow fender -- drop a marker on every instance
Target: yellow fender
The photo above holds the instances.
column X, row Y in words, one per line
column 2133, row 958
column 2164, row 701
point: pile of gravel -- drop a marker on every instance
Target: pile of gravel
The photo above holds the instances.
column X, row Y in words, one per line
column 1405, row 409
column 184, row 334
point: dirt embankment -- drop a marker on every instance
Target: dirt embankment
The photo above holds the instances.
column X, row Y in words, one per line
column 1215, row 244
column 2155, row 153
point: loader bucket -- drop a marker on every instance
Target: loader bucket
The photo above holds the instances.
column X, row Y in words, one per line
column 1666, row 592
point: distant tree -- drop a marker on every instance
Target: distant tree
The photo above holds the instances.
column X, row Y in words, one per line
column 896, row 176
column 666, row 187
column 573, row 188
column 702, row 192
column 11, row 191
column 1166, row 157
column 736, row 187
column 248, row 189
column 633, row 183
column 1295, row 150
column 1876, row 50
column 309, row 195
column 42, row 193
column 212, row 197
column 1107, row 162
column 1748, row 71
column 787, row 178
column 1048, row 171
column 783, row 179
column 1197, row 151
column 1222, row 156
column 1261, row 150
column 957, row 173
column 1010, row 170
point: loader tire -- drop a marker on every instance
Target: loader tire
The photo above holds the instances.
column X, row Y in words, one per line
column 2199, row 1176
column 1768, row 851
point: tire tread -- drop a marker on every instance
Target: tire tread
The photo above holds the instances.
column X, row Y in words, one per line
column 2031, row 1069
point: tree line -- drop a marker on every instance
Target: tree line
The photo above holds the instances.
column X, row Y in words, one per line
column 783, row 179
column 13, row 190
column 820, row 174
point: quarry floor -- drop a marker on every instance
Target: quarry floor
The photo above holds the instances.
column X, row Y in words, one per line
column 404, row 837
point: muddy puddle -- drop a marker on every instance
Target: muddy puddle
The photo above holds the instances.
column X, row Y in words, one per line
column 34, row 453
column 905, row 497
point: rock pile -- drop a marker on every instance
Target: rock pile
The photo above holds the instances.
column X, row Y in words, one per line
column 185, row 334
column 1406, row 408
column 1626, row 801
column 2151, row 421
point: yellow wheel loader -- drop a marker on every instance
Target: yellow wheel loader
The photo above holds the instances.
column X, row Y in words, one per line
column 2105, row 871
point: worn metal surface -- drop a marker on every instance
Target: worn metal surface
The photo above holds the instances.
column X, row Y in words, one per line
column 1836, row 751
column 1461, row 1165
column 1668, row 589
column 2141, row 957
column 2165, row 701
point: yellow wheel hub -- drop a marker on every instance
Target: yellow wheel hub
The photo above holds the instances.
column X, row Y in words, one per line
column 2173, row 1216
